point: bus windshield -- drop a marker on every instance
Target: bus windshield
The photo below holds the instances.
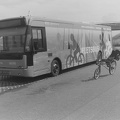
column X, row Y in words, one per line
column 12, row 40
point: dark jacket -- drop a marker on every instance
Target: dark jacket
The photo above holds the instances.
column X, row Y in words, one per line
column 115, row 54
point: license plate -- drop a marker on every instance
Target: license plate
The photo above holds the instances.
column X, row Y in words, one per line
column 4, row 72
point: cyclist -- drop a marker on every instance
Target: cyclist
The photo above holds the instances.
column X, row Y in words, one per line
column 115, row 54
column 74, row 47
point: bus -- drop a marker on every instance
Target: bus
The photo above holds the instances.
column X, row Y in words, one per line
column 33, row 46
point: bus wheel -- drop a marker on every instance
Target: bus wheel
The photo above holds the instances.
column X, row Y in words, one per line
column 55, row 68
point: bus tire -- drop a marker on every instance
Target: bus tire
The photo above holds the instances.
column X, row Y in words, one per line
column 55, row 68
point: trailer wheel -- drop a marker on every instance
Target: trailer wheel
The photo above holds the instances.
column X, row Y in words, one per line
column 112, row 67
column 55, row 68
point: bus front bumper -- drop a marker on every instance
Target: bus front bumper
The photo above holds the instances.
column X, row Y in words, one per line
column 16, row 72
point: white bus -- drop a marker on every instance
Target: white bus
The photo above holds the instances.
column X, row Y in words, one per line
column 31, row 46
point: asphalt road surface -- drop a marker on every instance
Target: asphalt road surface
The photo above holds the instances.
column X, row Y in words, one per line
column 73, row 95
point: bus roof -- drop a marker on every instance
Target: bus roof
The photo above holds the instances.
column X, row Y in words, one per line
column 62, row 21
column 29, row 19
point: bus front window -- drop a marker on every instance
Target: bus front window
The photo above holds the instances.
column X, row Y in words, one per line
column 12, row 43
column 1, row 43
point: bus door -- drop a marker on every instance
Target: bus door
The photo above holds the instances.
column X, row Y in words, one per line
column 40, row 57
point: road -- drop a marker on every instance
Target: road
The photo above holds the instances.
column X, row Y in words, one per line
column 74, row 95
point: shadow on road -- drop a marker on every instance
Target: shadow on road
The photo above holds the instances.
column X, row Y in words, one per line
column 90, row 79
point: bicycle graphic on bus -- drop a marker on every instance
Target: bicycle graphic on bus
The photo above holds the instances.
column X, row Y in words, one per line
column 75, row 54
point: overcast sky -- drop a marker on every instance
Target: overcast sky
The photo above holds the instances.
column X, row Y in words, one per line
column 72, row 10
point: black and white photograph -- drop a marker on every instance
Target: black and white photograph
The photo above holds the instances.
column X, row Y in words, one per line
column 59, row 60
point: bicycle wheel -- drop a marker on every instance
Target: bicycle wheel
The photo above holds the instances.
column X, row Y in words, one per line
column 112, row 67
column 69, row 61
column 97, row 72
column 81, row 58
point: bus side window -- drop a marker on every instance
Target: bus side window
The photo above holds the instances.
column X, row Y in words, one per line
column 39, row 39
column 34, row 34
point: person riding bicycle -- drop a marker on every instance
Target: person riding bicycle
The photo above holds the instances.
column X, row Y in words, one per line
column 74, row 47
column 115, row 54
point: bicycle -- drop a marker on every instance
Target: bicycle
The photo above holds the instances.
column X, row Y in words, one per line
column 109, row 64
column 71, row 60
